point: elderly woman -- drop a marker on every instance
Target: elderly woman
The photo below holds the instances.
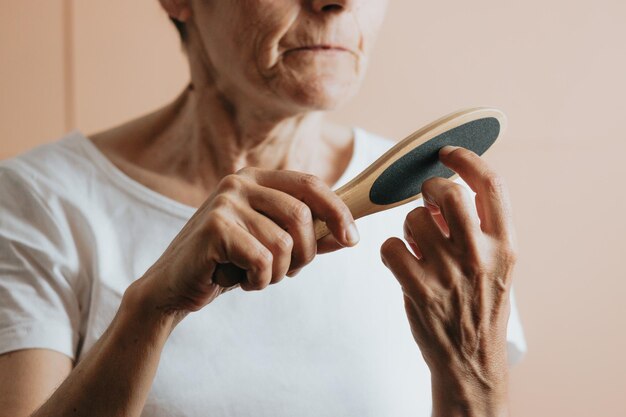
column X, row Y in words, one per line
column 109, row 245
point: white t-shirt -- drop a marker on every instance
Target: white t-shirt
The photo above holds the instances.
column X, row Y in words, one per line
column 75, row 231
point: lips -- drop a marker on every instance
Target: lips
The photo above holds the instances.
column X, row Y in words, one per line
column 321, row 48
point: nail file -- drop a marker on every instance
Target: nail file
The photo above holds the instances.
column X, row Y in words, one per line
column 396, row 177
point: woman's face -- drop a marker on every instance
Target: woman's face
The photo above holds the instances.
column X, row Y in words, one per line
column 302, row 54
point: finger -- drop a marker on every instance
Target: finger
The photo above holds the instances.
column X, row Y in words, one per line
column 237, row 246
column 420, row 228
column 290, row 214
column 315, row 193
column 405, row 267
column 408, row 237
column 489, row 187
column 437, row 216
column 293, row 272
column 416, row 250
column 456, row 207
column 273, row 237
column 328, row 244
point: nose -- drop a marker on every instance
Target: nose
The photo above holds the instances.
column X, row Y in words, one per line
column 330, row 6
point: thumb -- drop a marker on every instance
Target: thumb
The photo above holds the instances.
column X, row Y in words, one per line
column 328, row 244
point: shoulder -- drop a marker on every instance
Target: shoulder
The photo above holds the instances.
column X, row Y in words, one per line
column 49, row 168
column 36, row 187
column 41, row 191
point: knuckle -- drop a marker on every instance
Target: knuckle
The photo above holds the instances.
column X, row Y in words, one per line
column 300, row 213
column 416, row 216
column 231, row 182
column 508, row 255
column 494, row 183
column 247, row 172
column 216, row 222
column 310, row 181
column 454, row 195
column 223, row 200
column 261, row 259
column 283, row 243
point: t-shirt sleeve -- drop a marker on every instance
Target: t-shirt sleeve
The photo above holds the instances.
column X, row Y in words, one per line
column 38, row 306
column 516, row 342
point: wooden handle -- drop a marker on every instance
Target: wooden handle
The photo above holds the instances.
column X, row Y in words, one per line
column 321, row 229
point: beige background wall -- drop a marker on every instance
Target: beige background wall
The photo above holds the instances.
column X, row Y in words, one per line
column 557, row 68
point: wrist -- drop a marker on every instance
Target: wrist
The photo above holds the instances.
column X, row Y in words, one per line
column 140, row 303
column 468, row 398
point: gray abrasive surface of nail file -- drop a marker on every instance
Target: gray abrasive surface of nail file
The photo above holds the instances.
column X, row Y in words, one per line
column 404, row 178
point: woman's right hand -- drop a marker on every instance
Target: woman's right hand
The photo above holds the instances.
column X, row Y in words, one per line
column 258, row 220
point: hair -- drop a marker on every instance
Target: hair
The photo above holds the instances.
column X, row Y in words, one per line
column 181, row 28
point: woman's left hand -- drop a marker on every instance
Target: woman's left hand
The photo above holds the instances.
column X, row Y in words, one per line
column 456, row 288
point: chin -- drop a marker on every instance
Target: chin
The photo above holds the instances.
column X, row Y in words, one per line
column 322, row 94
column 318, row 84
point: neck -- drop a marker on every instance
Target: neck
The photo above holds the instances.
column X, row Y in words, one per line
column 203, row 136
column 216, row 127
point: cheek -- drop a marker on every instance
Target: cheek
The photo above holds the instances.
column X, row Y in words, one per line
column 257, row 34
column 243, row 40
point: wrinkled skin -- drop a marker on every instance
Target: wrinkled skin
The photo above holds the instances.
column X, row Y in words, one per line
column 258, row 49
column 261, row 71
column 229, row 228
column 456, row 285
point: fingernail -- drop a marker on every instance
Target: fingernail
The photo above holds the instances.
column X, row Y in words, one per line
column 432, row 207
column 293, row 273
column 352, row 234
column 447, row 149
